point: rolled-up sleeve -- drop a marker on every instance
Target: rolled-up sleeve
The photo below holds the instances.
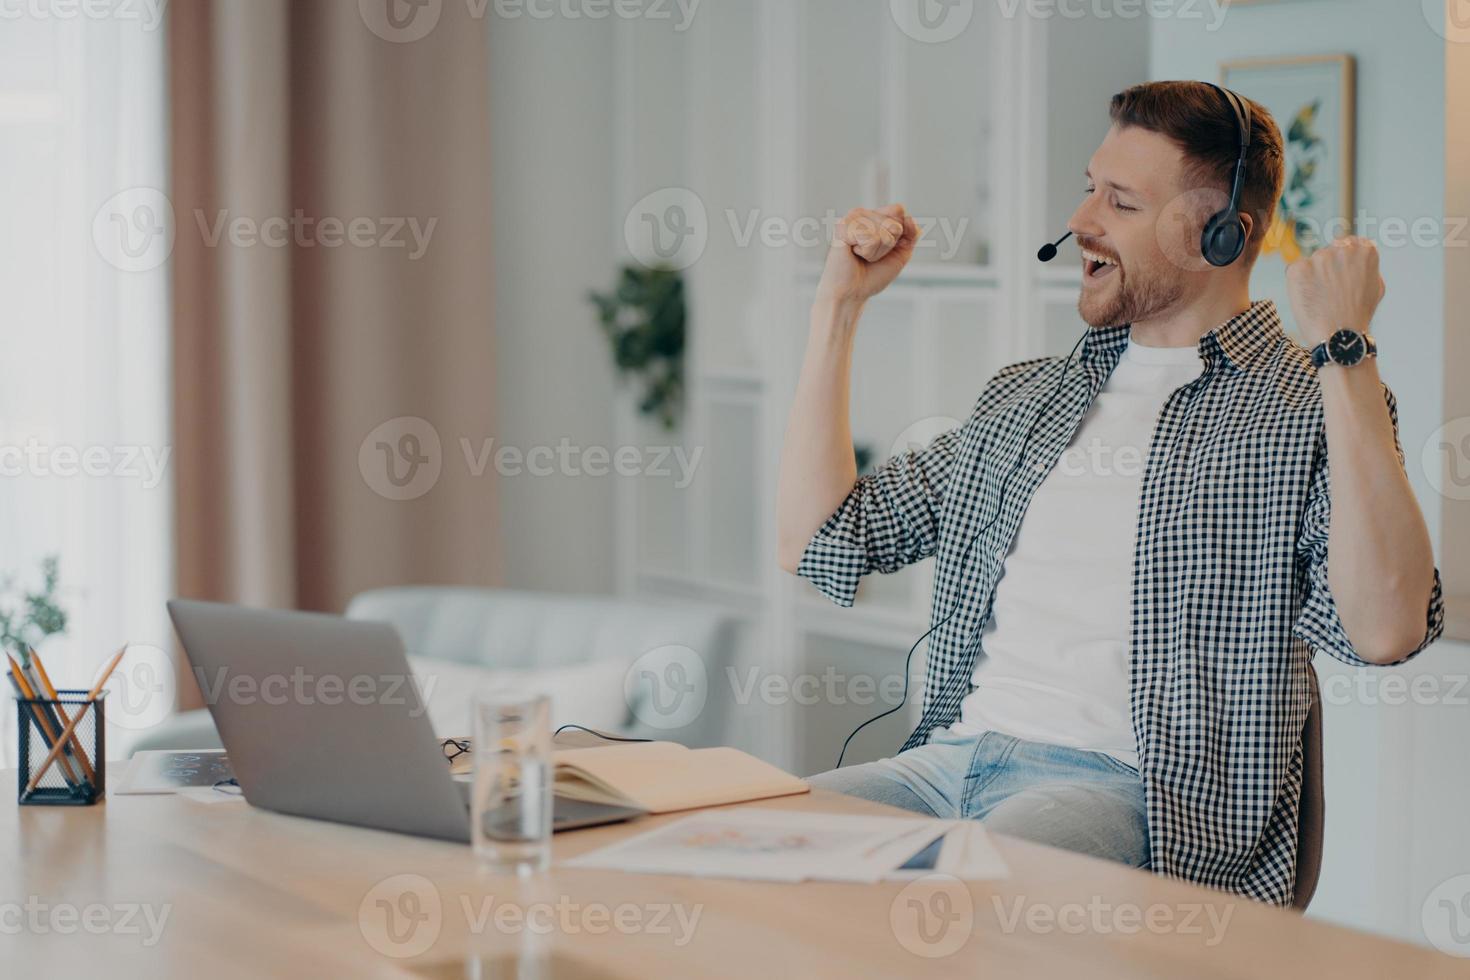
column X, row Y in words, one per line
column 1319, row 623
column 890, row 519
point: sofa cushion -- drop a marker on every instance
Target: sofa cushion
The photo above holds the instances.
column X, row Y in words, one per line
column 588, row 694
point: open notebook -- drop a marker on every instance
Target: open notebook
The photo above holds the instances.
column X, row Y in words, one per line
column 662, row 776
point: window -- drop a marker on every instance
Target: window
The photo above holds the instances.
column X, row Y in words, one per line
column 84, row 443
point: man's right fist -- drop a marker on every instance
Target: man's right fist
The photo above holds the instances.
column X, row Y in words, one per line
column 869, row 250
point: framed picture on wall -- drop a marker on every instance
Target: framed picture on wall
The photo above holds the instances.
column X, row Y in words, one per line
column 1312, row 100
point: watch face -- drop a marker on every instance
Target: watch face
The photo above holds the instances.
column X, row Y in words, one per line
column 1347, row 347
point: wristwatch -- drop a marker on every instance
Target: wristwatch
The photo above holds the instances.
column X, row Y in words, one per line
column 1345, row 348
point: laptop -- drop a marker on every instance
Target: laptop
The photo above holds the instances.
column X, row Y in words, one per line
column 321, row 718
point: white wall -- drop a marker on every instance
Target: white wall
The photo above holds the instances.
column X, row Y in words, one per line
column 552, row 134
column 1397, row 779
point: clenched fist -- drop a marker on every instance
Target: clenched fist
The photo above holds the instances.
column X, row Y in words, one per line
column 869, row 249
column 1339, row 286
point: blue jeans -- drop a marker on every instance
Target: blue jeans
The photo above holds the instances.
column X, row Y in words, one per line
column 1080, row 801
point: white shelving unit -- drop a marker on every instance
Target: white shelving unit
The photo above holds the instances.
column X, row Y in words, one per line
column 775, row 112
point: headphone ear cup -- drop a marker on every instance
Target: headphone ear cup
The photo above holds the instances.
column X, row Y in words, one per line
column 1223, row 239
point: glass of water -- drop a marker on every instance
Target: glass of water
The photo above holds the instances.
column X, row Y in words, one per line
column 510, row 807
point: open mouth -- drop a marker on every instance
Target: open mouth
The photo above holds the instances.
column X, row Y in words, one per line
column 1096, row 265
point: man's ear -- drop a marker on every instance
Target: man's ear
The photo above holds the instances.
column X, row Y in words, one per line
column 1249, row 221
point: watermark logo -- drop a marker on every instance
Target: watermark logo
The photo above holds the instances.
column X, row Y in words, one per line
column 402, row 458
column 1446, row 459
column 401, row 916
column 133, row 230
column 667, row 229
column 932, row 21
column 305, row 687
column 830, row 687
column 1446, row 916
column 37, row 917
column 143, row 691
column 1181, row 224
column 1098, row 916
column 917, row 437
column 675, row 921
column 147, row 465
column 933, row 917
column 400, row 21
column 1450, row 19
column 1364, row 685
column 148, row 13
column 667, row 687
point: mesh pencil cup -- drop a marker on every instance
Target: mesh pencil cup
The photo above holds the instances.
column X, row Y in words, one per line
column 78, row 775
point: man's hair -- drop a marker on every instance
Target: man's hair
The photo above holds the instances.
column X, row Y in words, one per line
column 1201, row 122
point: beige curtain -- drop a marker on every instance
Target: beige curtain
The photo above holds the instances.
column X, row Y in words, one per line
column 301, row 369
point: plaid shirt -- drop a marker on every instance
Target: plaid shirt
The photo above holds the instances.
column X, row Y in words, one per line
column 1229, row 574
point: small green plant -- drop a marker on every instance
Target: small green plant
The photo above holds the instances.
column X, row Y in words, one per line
column 27, row 618
column 643, row 319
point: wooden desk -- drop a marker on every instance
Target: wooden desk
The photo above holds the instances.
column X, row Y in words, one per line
column 253, row 893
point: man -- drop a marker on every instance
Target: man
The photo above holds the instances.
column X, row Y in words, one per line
column 1132, row 545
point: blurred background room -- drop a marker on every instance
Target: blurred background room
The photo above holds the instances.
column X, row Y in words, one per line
column 484, row 316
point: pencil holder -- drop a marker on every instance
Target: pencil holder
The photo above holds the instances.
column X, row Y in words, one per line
column 77, row 776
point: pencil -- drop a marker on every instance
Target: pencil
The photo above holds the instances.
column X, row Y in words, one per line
column 74, row 744
column 71, row 726
column 42, row 722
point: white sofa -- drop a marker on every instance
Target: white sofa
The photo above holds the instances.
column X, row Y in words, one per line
column 601, row 659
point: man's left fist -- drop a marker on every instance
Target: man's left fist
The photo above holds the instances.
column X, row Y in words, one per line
column 1339, row 286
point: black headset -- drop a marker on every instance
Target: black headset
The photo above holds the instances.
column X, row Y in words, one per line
column 1224, row 236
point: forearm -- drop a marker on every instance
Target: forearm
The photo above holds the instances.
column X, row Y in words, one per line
column 1380, row 562
column 818, row 468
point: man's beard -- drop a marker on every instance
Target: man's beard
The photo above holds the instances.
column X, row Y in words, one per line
column 1136, row 298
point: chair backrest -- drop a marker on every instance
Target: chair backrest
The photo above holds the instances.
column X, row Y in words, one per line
column 1310, row 816
column 522, row 630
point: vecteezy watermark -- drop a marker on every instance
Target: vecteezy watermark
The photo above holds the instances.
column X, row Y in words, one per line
column 1213, row 10
column 405, row 21
column 1446, row 459
column 938, row 21
column 932, row 21
column 1450, row 19
column 35, row 916
column 136, row 230
column 1445, row 916
column 917, row 437
column 667, row 687
column 41, row 459
column 303, row 687
column 148, row 13
column 1102, row 459
column 1100, row 916
column 306, row 231
column 933, row 917
column 1387, row 230
column 1364, row 685
column 142, row 691
column 403, row 458
column 402, row 916
column 1182, row 219
column 829, row 687
column 671, row 228
column 668, row 228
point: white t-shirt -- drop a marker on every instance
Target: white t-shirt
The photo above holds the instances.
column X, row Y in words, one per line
column 1055, row 651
